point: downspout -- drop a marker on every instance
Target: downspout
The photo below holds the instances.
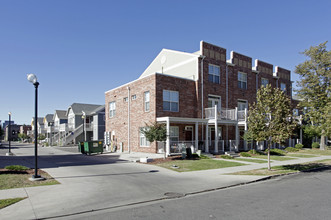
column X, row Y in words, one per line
column 129, row 99
column 201, row 70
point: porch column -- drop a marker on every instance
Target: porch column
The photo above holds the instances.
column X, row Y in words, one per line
column 245, row 142
column 168, row 138
column 196, row 136
column 216, row 131
column 207, row 139
column 237, row 130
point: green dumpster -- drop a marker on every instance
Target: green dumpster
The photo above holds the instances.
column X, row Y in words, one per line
column 91, row 147
column 81, row 147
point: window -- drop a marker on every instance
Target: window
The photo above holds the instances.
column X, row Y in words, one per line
column 283, row 86
column 242, row 80
column 242, row 105
column 125, row 99
column 170, row 101
column 146, row 101
column 143, row 140
column 213, row 73
column 264, row 82
column 133, row 97
column 174, row 134
column 112, row 109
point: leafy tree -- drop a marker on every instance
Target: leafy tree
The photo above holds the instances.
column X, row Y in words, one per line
column 314, row 89
column 270, row 118
column 41, row 137
column 23, row 136
column 155, row 132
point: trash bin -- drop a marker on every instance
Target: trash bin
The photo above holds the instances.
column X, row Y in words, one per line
column 91, row 147
column 81, row 147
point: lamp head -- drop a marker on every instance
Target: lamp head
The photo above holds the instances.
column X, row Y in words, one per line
column 32, row 78
column 9, row 113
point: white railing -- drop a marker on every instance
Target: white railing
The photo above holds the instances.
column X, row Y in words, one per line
column 89, row 126
column 63, row 127
column 223, row 113
column 241, row 115
column 177, row 147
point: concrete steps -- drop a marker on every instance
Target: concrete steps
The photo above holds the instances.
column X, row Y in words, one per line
column 232, row 154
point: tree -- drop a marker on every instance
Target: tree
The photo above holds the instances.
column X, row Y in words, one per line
column 270, row 118
column 314, row 89
column 155, row 132
column 23, row 136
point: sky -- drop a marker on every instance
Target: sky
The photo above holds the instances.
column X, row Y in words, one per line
column 79, row 49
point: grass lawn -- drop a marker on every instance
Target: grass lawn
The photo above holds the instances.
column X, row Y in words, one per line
column 300, row 155
column 7, row 202
column 194, row 165
column 315, row 152
column 286, row 168
column 272, row 157
column 12, row 180
column 251, row 160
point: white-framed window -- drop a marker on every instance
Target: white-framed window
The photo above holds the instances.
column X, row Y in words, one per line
column 264, row 82
column 142, row 139
column 112, row 109
column 170, row 101
column 214, row 73
column 242, row 80
column 174, row 134
column 283, row 86
column 146, row 101
column 125, row 99
column 133, row 97
column 242, row 104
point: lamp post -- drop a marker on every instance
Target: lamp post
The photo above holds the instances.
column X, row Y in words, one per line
column 33, row 79
column 9, row 136
column 84, row 129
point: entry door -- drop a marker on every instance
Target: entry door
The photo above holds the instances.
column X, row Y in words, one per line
column 214, row 100
column 211, row 134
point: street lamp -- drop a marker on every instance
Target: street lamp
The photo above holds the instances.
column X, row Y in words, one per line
column 9, row 136
column 84, row 129
column 33, row 79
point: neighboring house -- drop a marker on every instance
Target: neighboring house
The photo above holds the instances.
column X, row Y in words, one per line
column 26, row 129
column 84, row 122
column 40, row 126
column 60, row 123
column 201, row 97
column 49, row 127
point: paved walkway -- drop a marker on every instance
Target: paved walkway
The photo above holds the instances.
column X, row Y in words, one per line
column 108, row 180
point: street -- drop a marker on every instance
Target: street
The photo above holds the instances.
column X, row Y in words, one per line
column 109, row 186
column 302, row 196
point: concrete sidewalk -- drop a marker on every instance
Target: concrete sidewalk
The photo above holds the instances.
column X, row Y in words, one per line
column 110, row 180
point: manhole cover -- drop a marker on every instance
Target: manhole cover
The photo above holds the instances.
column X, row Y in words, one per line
column 174, row 195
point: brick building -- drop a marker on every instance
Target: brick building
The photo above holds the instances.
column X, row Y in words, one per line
column 202, row 98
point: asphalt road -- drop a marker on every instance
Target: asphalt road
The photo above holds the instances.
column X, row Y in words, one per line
column 300, row 196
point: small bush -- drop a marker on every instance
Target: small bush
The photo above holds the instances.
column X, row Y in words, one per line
column 276, row 152
column 299, row 146
column 245, row 154
column 226, row 157
column 291, row 149
column 204, row 157
column 255, row 152
column 16, row 168
column 315, row 145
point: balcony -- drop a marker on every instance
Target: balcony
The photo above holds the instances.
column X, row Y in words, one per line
column 225, row 114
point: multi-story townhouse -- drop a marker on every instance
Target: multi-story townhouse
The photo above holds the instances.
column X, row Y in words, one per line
column 201, row 97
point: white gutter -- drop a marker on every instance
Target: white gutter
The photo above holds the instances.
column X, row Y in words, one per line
column 129, row 99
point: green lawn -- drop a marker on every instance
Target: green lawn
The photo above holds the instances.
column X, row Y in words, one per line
column 315, row 152
column 7, row 202
column 286, row 168
column 272, row 157
column 9, row 181
column 251, row 160
column 300, row 155
column 194, row 165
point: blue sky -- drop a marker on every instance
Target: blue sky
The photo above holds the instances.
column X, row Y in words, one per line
column 81, row 48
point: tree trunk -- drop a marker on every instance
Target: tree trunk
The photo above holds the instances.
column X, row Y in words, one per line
column 269, row 167
column 322, row 143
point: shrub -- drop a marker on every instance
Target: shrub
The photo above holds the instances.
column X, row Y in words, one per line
column 226, row 157
column 291, row 149
column 299, row 146
column 245, row 154
column 277, row 152
column 204, row 157
column 16, row 168
column 255, row 152
column 315, row 145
